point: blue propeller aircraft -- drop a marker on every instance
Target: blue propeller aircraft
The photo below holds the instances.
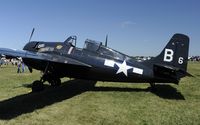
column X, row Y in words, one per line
column 99, row 62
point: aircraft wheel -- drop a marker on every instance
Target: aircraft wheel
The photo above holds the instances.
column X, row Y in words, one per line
column 37, row 86
column 55, row 82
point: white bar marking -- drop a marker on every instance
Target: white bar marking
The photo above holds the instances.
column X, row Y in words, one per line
column 70, row 50
column 109, row 63
column 137, row 70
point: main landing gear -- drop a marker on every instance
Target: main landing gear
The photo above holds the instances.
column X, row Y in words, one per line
column 54, row 80
column 38, row 85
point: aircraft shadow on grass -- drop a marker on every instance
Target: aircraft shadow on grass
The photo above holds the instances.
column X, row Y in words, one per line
column 30, row 102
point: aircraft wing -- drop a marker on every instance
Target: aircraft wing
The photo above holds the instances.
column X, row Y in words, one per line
column 41, row 56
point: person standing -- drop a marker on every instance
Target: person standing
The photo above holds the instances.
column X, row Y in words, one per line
column 23, row 66
column 18, row 67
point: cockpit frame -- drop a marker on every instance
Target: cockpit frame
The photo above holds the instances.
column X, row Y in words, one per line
column 71, row 40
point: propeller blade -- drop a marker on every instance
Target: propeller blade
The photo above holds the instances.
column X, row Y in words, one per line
column 31, row 34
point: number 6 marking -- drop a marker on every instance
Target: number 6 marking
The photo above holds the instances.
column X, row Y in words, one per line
column 180, row 60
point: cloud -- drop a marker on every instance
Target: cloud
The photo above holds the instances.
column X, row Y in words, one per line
column 127, row 24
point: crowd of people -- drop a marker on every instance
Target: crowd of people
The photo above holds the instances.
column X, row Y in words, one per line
column 19, row 63
column 194, row 58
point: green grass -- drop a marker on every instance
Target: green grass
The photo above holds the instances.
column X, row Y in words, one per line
column 104, row 103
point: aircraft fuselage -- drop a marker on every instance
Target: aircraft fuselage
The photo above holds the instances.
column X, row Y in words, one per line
column 106, row 64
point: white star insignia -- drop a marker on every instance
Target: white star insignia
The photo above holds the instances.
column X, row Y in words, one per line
column 123, row 68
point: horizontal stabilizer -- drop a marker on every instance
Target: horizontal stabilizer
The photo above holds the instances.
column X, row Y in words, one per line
column 169, row 71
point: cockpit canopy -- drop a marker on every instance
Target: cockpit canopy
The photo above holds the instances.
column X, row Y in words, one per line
column 97, row 47
column 92, row 45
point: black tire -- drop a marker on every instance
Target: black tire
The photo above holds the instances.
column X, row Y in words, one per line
column 37, row 86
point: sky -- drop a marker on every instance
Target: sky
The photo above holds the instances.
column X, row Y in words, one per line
column 134, row 27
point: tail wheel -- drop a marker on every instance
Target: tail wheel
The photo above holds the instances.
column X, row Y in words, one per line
column 153, row 86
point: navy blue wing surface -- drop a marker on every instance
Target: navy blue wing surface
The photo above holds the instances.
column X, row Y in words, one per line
column 12, row 52
column 41, row 56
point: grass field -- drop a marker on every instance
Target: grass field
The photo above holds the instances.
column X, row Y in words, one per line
column 83, row 102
